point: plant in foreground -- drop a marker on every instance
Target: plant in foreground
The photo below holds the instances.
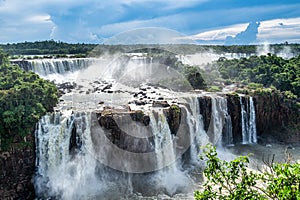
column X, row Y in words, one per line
column 234, row 180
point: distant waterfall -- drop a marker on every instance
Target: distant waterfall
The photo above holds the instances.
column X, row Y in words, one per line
column 46, row 67
column 248, row 121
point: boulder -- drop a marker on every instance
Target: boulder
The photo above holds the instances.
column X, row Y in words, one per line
column 162, row 104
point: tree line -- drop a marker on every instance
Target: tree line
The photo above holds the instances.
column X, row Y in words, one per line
column 59, row 47
column 46, row 47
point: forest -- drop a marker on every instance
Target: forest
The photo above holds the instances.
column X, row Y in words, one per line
column 46, row 47
column 24, row 99
column 265, row 71
column 51, row 47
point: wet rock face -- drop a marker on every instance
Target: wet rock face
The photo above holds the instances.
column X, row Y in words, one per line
column 274, row 115
column 139, row 116
column 120, row 127
column 16, row 173
column 75, row 142
column 163, row 104
column 234, row 110
column 173, row 115
column 205, row 110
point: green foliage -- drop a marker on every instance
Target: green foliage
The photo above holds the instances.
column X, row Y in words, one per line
column 283, row 181
column 289, row 95
column 3, row 58
column 175, row 108
column 47, row 47
column 233, row 180
column 57, row 47
column 214, row 89
column 267, row 71
column 194, row 77
column 254, row 86
column 24, row 98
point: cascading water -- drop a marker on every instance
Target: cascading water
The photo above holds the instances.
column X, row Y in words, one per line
column 198, row 136
column 248, row 121
column 46, row 67
column 59, row 70
column 169, row 175
column 219, row 113
column 59, row 174
column 163, row 140
column 228, row 131
column 252, row 122
column 65, row 173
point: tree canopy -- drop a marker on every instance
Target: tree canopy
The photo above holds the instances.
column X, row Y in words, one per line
column 268, row 70
column 24, row 98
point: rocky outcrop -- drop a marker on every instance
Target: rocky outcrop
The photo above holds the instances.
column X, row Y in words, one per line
column 277, row 118
column 205, row 110
column 16, row 172
column 75, row 142
column 120, row 128
column 234, row 110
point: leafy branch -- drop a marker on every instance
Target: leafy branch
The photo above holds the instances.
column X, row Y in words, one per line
column 234, row 180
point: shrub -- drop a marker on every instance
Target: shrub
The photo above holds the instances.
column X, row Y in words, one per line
column 233, row 179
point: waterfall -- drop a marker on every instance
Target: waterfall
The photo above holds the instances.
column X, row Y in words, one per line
column 218, row 115
column 252, row 122
column 58, row 173
column 45, row 67
column 164, row 146
column 169, row 175
column 198, row 136
column 248, row 121
column 228, row 131
column 78, row 157
column 244, row 122
column 66, row 174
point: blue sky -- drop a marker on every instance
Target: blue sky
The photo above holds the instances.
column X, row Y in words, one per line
column 202, row 21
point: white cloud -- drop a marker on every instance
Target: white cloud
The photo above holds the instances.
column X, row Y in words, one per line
column 24, row 21
column 167, row 21
column 279, row 30
column 43, row 18
column 170, row 4
column 220, row 33
column 272, row 31
column 87, row 20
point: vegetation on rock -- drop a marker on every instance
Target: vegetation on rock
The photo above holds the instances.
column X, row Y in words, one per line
column 24, row 98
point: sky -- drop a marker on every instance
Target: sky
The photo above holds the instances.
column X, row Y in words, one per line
column 199, row 21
